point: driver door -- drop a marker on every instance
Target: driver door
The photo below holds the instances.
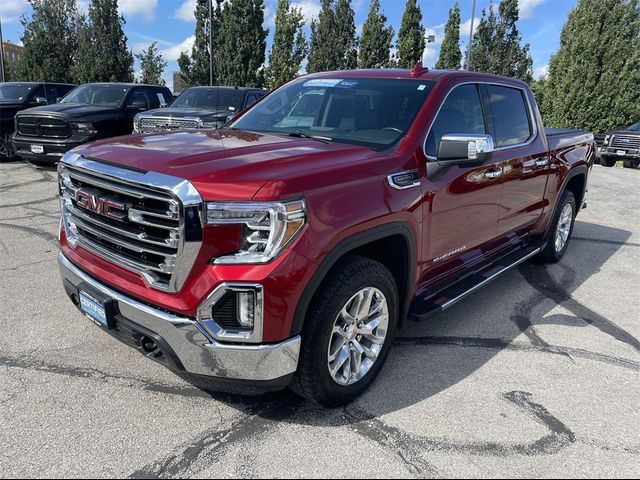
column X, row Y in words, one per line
column 461, row 200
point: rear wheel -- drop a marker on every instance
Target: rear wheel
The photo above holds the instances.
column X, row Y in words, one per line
column 350, row 326
column 7, row 149
column 560, row 230
column 607, row 162
column 631, row 163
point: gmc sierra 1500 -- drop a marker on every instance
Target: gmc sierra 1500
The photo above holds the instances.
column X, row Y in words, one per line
column 289, row 247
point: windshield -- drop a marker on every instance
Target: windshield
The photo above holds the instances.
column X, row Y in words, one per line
column 372, row 112
column 16, row 92
column 102, row 95
column 634, row 128
column 227, row 99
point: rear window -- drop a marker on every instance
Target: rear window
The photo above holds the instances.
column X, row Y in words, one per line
column 510, row 115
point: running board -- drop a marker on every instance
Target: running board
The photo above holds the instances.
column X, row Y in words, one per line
column 433, row 303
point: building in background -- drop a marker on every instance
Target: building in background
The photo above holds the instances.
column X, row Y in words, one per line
column 178, row 83
column 12, row 52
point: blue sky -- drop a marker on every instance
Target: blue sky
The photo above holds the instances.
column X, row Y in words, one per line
column 171, row 23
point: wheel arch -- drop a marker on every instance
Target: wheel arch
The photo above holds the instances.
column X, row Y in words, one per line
column 373, row 243
column 576, row 183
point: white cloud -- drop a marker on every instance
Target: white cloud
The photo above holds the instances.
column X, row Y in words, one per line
column 310, row 9
column 527, row 7
column 431, row 50
column 10, row 10
column 172, row 53
column 185, row 11
column 143, row 8
column 541, row 71
column 466, row 25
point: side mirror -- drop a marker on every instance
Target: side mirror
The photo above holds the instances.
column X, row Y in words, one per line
column 40, row 101
column 58, row 99
column 464, row 148
column 138, row 105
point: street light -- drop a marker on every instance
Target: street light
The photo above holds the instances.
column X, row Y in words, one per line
column 431, row 38
column 1, row 54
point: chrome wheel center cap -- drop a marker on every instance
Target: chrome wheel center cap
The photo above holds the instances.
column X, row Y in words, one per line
column 352, row 331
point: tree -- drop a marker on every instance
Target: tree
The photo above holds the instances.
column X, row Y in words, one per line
column 345, row 33
column 375, row 42
column 103, row 55
column 152, row 65
column 323, row 52
column 594, row 77
column 242, row 43
column 50, row 41
column 411, row 41
column 289, row 45
column 496, row 45
column 450, row 55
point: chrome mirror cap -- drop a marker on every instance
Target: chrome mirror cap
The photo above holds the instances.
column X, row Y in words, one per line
column 475, row 144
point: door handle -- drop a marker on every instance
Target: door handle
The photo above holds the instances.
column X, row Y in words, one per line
column 491, row 174
column 542, row 162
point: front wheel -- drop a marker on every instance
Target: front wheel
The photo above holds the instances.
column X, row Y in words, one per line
column 607, row 162
column 631, row 163
column 560, row 230
column 350, row 326
column 7, row 149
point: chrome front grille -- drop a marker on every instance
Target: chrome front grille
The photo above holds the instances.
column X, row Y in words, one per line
column 144, row 222
column 160, row 124
column 627, row 142
column 45, row 127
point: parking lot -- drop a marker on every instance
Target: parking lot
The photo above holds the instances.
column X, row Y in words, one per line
column 535, row 375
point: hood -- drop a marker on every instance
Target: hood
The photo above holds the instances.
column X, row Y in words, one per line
column 224, row 164
column 622, row 131
column 9, row 109
column 80, row 111
column 203, row 113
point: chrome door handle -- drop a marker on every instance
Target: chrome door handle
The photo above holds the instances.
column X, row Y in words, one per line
column 542, row 162
column 492, row 174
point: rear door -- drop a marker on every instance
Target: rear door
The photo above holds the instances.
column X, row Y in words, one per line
column 522, row 151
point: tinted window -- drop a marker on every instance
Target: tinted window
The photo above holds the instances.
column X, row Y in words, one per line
column 461, row 112
column 139, row 96
column 95, row 94
column 373, row 112
column 251, row 99
column 39, row 92
column 15, row 91
column 510, row 115
column 215, row 98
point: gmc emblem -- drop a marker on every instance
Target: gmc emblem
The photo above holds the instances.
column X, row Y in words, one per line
column 105, row 206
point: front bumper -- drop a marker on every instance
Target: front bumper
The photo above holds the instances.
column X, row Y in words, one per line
column 52, row 151
column 181, row 343
column 609, row 152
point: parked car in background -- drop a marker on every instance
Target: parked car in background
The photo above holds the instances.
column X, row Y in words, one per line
column 289, row 247
column 89, row 112
column 621, row 144
column 198, row 107
column 17, row 96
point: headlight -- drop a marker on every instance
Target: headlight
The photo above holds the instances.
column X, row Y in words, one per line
column 267, row 228
column 85, row 128
column 136, row 123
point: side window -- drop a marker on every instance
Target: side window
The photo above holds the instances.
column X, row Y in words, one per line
column 52, row 93
column 154, row 100
column 38, row 92
column 461, row 112
column 510, row 115
column 251, row 99
column 138, row 97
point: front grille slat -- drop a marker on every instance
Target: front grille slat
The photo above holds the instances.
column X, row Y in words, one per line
column 160, row 124
column 628, row 142
column 43, row 127
column 146, row 233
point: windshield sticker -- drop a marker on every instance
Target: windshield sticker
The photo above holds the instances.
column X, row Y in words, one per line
column 322, row 82
column 347, row 84
column 422, row 87
column 232, row 108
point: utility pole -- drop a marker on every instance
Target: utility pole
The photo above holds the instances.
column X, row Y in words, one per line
column 211, row 43
column 1, row 54
column 473, row 15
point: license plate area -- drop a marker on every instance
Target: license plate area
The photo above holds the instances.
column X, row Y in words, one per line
column 37, row 149
column 97, row 308
column 621, row 152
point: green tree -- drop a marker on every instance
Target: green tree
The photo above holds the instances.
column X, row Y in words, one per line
column 411, row 41
column 323, row 52
column 450, row 55
column 346, row 42
column 375, row 42
column 50, row 41
column 496, row 46
column 152, row 65
column 289, row 45
column 594, row 78
column 242, row 43
column 205, row 35
column 103, row 55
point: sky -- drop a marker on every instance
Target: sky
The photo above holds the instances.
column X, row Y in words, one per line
column 171, row 24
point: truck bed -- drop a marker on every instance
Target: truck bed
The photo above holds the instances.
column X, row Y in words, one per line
column 566, row 137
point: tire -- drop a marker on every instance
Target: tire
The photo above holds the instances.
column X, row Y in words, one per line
column 555, row 249
column 607, row 162
column 7, row 150
column 631, row 164
column 355, row 277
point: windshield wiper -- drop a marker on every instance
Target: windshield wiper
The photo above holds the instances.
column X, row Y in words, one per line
column 299, row 134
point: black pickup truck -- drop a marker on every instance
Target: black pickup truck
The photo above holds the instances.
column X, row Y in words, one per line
column 198, row 107
column 621, row 144
column 17, row 96
column 90, row 112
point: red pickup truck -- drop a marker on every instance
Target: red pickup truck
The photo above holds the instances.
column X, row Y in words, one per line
column 289, row 247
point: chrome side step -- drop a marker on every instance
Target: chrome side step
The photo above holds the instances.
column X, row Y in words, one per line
column 434, row 302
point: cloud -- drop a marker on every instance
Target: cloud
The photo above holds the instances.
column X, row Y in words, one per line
column 10, row 10
column 185, row 11
column 310, row 9
column 143, row 8
column 528, row 6
column 541, row 71
column 172, row 53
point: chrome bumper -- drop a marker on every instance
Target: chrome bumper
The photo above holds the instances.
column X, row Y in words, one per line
column 195, row 351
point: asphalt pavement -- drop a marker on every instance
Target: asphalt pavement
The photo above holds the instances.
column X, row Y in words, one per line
column 535, row 375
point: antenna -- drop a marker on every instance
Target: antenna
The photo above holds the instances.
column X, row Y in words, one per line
column 418, row 69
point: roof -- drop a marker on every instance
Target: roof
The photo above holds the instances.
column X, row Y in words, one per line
column 39, row 83
column 204, row 87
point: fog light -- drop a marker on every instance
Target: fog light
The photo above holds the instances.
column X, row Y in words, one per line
column 246, row 308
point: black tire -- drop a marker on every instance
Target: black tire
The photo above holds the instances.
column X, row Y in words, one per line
column 7, row 150
column 313, row 380
column 607, row 162
column 550, row 254
column 631, row 163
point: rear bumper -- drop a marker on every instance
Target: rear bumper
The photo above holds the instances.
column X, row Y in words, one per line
column 181, row 343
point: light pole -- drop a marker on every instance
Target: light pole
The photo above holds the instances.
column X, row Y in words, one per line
column 210, row 43
column 1, row 54
column 473, row 14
